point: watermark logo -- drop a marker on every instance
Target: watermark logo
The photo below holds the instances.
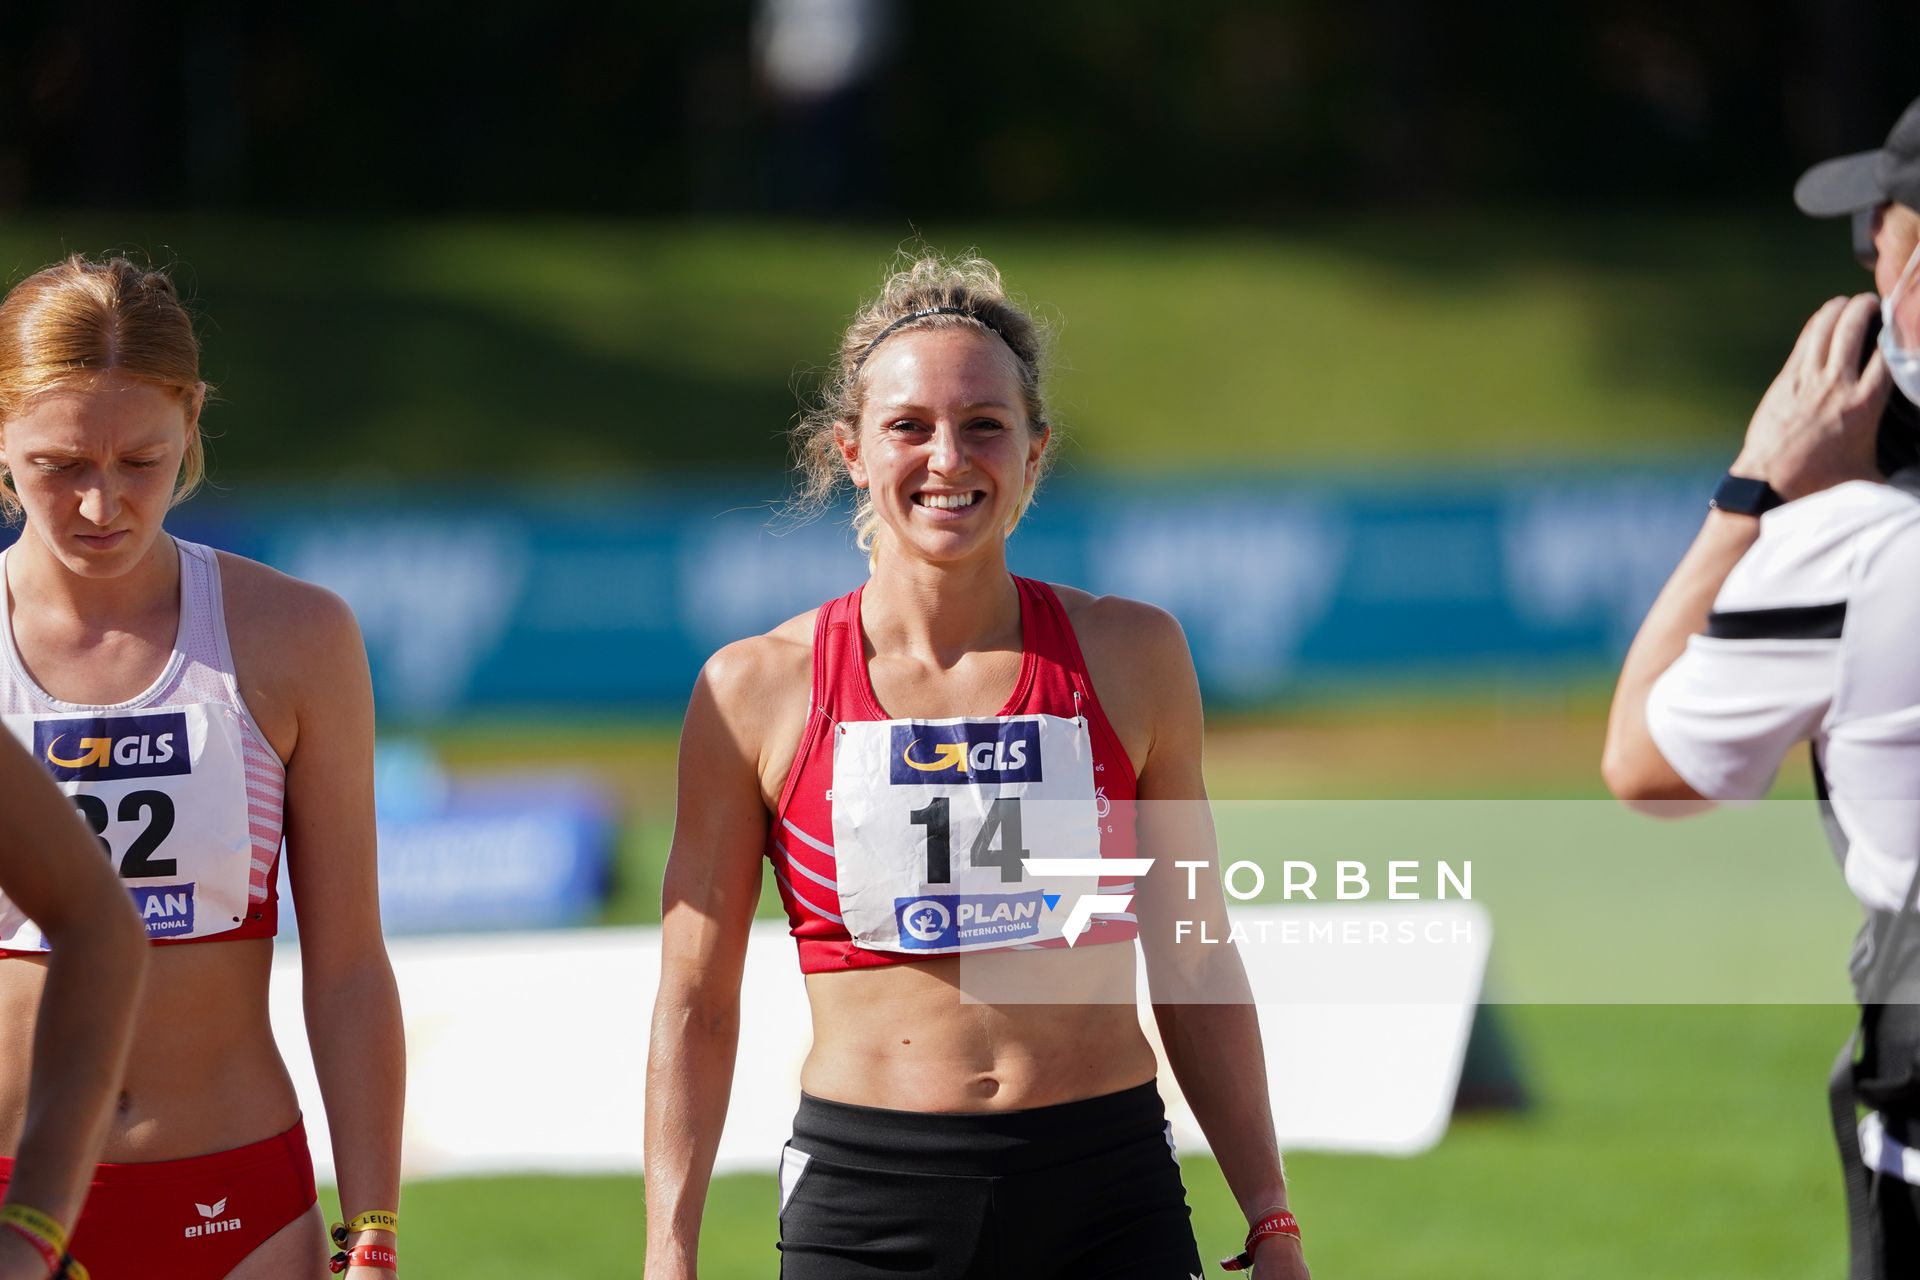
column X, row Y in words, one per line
column 1243, row 881
column 1087, row 905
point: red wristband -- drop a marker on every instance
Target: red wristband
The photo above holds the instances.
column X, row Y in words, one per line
column 1278, row 1223
column 41, row 1246
column 367, row 1255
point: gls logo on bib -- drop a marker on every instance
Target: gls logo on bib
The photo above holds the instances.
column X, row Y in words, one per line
column 972, row 751
column 105, row 748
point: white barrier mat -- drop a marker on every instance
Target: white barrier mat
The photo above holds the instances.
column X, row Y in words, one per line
column 527, row 1052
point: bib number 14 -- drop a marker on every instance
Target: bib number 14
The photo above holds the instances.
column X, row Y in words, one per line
column 997, row 844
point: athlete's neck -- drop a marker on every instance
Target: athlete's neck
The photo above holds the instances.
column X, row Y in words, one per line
column 38, row 581
column 939, row 612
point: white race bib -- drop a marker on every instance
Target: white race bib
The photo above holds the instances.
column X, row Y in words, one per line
column 932, row 819
column 165, row 790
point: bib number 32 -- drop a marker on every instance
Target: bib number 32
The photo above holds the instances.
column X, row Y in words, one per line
column 156, row 807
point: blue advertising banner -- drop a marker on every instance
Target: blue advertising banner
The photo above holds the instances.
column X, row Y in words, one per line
column 514, row 851
column 600, row 599
column 528, row 855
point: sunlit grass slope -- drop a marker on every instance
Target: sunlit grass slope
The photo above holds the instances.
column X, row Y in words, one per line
column 436, row 350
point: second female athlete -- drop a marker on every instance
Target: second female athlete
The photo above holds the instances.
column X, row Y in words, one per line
column 196, row 707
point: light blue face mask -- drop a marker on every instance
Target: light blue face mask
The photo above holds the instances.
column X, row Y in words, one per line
column 1902, row 362
column 1899, row 347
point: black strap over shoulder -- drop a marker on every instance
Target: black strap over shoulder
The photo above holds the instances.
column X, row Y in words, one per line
column 1878, row 1067
column 1837, row 839
column 1863, row 1242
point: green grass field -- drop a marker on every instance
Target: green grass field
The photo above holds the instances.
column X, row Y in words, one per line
column 377, row 354
column 1662, row 1141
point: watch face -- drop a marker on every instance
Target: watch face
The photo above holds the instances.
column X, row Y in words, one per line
column 1744, row 497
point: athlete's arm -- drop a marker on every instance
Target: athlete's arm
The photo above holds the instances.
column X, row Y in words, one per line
column 1814, row 429
column 1201, row 999
column 51, row 867
column 711, row 886
column 352, row 1004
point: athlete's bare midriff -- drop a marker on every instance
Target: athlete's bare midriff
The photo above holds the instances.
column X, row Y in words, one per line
column 917, row 1037
column 205, row 1074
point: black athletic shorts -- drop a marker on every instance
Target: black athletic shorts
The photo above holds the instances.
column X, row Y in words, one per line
column 1086, row 1188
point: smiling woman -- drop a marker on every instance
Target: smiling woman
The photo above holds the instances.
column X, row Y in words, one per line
column 196, row 707
column 899, row 755
column 965, row 299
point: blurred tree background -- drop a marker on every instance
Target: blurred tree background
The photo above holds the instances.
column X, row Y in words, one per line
column 1210, row 111
column 596, row 244
column 1322, row 232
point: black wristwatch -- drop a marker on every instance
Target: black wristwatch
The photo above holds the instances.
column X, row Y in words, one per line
column 1744, row 497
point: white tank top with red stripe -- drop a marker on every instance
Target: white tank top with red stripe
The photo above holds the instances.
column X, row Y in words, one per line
column 179, row 783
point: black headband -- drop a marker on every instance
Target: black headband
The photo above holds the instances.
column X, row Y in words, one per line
column 911, row 316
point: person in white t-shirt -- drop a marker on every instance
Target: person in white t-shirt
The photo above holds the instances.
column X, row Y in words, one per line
column 1795, row 617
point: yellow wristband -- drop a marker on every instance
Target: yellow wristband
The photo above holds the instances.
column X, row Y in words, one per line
column 374, row 1220
column 42, row 1225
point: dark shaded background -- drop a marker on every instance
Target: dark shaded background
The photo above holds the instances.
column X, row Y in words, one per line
column 1199, row 111
column 422, row 236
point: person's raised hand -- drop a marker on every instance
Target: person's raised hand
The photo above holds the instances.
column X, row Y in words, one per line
column 1816, row 425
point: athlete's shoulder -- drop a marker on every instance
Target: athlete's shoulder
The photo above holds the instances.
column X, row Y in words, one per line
column 1141, row 669
column 297, row 652
column 296, row 616
column 764, row 669
column 1132, row 630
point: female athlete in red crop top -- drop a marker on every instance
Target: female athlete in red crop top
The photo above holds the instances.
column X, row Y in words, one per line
column 899, row 754
column 1052, row 681
column 195, row 705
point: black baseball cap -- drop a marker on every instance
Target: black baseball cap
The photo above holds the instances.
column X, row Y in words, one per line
column 1866, row 178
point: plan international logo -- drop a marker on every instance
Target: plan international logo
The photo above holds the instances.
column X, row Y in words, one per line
column 954, row 920
column 975, row 751
column 105, row 748
column 165, row 910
